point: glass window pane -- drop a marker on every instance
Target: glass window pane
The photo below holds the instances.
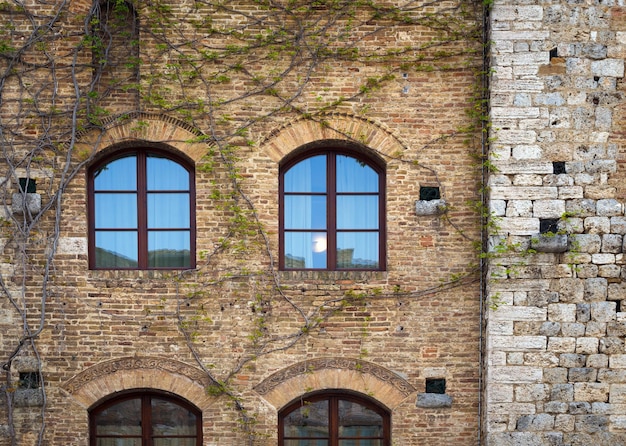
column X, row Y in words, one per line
column 361, row 442
column 115, row 211
column 355, row 176
column 120, row 174
column 169, row 418
column 356, row 420
column 119, row 442
column 169, row 249
column 174, row 442
column 308, row 175
column 357, row 212
column 305, row 250
column 165, row 174
column 168, row 210
column 310, row 420
column 120, row 419
column 116, row 249
column 305, row 212
column 357, row 250
column 308, row 442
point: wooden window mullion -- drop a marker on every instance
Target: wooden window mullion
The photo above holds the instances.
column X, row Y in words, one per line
column 331, row 213
column 142, row 210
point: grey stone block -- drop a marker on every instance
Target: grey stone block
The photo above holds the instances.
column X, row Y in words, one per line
column 28, row 397
column 431, row 207
column 29, row 203
column 433, row 400
column 549, row 243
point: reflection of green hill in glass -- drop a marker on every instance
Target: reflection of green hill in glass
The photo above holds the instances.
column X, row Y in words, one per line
column 111, row 259
column 292, row 261
column 162, row 258
column 168, row 258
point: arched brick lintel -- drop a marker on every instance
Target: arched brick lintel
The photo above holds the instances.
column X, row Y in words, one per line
column 137, row 128
column 355, row 375
column 107, row 378
column 282, row 141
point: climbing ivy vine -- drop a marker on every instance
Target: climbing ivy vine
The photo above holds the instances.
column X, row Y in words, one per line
column 232, row 70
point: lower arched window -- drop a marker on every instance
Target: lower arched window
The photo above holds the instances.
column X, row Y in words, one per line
column 334, row 419
column 145, row 419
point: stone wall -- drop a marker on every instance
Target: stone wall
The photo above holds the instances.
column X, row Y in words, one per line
column 556, row 370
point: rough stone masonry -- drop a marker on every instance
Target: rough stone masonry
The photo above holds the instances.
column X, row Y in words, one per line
column 556, row 362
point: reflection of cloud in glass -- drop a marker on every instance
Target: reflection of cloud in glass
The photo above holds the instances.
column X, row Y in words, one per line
column 319, row 243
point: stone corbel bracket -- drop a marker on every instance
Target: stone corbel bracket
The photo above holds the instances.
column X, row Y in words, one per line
column 431, row 207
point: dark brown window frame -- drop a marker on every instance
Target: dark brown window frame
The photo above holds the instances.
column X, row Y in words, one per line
column 334, row 397
column 142, row 231
column 377, row 165
column 145, row 396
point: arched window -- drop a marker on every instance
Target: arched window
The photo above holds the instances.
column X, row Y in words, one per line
column 332, row 212
column 145, row 419
column 334, row 419
column 142, row 211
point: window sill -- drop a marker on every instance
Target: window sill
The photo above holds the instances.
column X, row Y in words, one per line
column 332, row 275
column 433, row 400
column 137, row 273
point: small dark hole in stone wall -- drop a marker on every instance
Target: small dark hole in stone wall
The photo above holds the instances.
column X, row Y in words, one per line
column 558, row 167
column 618, row 306
column 429, row 193
column 435, row 385
column 548, row 225
column 28, row 185
column 554, row 53
column 29, row 380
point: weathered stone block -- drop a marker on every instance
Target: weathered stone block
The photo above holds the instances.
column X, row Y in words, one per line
column 549, row 243
column 608, row 67
column 609, row 207
column 612, row 243
column 597, row 225
column 433, row 400
column 539, row 422
column 583, row 374
column 562, row 392
column 591, row 392
column 569, row 360
column 603, row 311
column 562, row 312
column 592, row 423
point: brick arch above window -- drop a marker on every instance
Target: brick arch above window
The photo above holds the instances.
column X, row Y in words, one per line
column 349, row 374
column 125, row 374
column 143, row 129
column 294, row 135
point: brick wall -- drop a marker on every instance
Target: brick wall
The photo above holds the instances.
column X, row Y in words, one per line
column 107, row 332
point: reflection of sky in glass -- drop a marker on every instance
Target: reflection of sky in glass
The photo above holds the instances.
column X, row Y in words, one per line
column 308, row 175
column 300, row 250
column 305, row 212
column 357, row 212
column 120, row 243
column 354, row 176
column 364, row 246
column 120, row 174
column 165, row 174
column 168, row 210
column 116, row 211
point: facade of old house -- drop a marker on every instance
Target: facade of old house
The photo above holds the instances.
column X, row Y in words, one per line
column 271, row 222
column 235, row 223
